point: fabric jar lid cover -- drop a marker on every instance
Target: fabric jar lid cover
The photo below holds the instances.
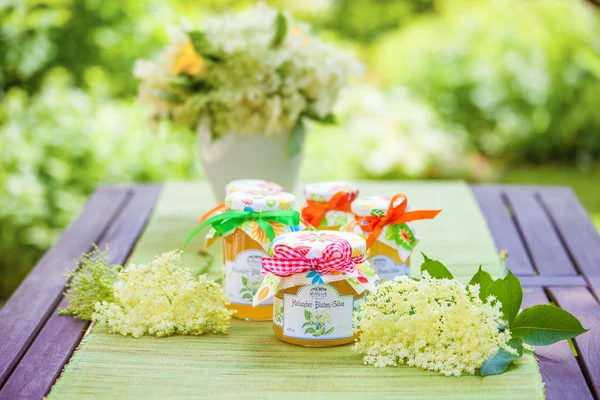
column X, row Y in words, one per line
column 258, row 201
column 374, row 206
column 324, row 191
column 258, row 185
column 317, row 241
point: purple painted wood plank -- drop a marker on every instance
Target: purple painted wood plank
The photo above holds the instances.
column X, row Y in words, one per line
column 581, row 303
column 57, row 340
column 561, row 373
column 577, row 232
column 549, row 255
column 501, row 224
column 556, row 281
column 29, row 307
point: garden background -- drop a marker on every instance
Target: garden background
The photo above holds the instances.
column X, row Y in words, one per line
column 488, row 91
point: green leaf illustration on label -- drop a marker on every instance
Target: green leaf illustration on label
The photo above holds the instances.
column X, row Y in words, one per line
column 317, row 323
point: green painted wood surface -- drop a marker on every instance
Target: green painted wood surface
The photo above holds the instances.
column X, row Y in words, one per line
column 250, row 362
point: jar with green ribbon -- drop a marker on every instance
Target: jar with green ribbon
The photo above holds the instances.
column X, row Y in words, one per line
column 248, row 227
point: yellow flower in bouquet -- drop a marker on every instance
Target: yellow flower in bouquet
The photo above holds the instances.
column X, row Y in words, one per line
column 189, row 62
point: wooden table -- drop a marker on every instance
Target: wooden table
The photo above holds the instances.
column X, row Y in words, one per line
column 553, row 248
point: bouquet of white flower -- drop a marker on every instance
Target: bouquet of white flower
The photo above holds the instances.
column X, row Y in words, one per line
column 256, row 72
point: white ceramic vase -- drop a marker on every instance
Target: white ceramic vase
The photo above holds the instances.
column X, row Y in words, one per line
column 236, row 156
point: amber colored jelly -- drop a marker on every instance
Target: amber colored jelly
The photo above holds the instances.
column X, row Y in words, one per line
column 233, row 245
column 343, row 288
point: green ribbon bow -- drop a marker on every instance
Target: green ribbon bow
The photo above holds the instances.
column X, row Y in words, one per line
column 230, row 220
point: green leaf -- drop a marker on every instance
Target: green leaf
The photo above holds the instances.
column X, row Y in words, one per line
column 328, row 119
column 508, row 291
column 329, row 330
column 499, row 362
column 244, row 281
column 281, row 28
column 322, row 331
column 304, row 325
column 435, row 268
column 165, row 95
column 545, row 324
column 247, row 296
column 180, row 81
column 307, row 315
column 203, row 46
column 309, row 330
column 484, row 280
column 296, row 140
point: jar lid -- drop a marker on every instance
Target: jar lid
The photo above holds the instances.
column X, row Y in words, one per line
column 375, row 206
column 259, row 202
column 258, row 185
column 324, row 191
column 316, row 241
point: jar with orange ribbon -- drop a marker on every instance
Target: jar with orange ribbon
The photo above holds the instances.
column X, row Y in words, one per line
column 386, row 223
column 316, row 280
column 328, row 204
column 248, row 227
column 256, row 186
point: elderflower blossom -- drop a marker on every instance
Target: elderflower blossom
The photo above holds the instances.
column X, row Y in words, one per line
column 434, row 324
column 162, row 298
column 246, row 84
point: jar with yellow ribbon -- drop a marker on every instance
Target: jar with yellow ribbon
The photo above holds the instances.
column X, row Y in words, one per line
column 256, row 186
column 316, row 280
column 248, row 227
column 328, row 204
column 387, row 225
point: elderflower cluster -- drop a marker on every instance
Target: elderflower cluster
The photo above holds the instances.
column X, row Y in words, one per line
column 248, row 85
column 162, row 298
column 434, row 324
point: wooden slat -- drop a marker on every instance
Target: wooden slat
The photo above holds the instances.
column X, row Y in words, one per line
column 57, row 340
column 557, row 281
column 548, row 254
column 577, row 232
column 501, row 224
column 31, row 304
column 563, row 378
column 581, row 303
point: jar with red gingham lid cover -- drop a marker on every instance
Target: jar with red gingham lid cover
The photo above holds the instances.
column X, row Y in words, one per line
column 316, row 280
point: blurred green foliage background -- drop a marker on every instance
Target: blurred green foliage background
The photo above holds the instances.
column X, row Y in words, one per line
column 491, row 90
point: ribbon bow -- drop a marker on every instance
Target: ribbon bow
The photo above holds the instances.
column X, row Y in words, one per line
column 315, row 211
column 394, row 215
column 229, row 220
column 219, row 209
column 288, row 261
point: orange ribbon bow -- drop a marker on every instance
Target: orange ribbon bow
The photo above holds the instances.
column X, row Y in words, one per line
column 315, row 211
column 394, row 215
column 219, row 209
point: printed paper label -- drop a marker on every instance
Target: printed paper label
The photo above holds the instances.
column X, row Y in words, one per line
column 278, row 311
column 317, row 312
column 243, row 277
column 386, row 268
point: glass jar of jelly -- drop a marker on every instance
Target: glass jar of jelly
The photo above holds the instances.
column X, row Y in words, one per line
column 247, row 243
column 328, row 204
column 316, row 280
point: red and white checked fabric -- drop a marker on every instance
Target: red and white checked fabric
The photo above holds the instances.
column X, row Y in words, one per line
column 287, row 260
